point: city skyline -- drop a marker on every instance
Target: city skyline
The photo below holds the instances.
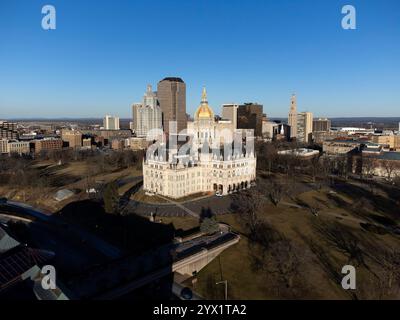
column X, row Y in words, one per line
column 199, row 150
column 266, row 53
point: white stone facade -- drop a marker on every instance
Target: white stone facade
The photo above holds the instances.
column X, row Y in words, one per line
column 207, row 175
column 206, row 167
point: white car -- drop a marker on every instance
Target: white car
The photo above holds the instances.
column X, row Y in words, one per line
column 218, row 194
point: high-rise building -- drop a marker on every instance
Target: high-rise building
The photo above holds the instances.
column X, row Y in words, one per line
column 111, row 122
column 321, row 125
column 230, row 112
column 135, row 116
column 8, row 130
column 148, row 115
column 304, row 126
column 171, row 94
column 292, row 119
column 250, row 116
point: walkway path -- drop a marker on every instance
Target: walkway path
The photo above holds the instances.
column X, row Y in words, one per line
column 214, row 204
column 179, row 205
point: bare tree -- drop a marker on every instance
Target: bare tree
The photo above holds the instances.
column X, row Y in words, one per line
column 247, row 204
column 368, row 165
column 342, row 239
column 389, row 276
column 275, row 193
column 342, row 166
column 267, row 155
column 327, row 169
column 315, row 167
column 390, row 167
column 279, row 261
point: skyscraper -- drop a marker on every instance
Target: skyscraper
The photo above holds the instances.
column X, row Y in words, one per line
column 250, row 116
column 111, row 122
column 292, row 120
column 304, row 126
column 321, row 125
column 229, row 112
column 148, row 114
column 135, row 116
column 171, row 94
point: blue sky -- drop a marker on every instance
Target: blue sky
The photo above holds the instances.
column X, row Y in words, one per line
column 104, row 53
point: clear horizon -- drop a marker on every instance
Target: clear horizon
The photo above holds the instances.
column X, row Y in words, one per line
column 101, row 56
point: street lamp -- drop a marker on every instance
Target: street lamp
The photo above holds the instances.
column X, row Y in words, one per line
column 226, row 287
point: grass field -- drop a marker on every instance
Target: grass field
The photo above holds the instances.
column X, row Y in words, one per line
column 319, row 256
column 72, row 176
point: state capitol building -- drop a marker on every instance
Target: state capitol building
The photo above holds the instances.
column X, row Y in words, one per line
column 217, row 157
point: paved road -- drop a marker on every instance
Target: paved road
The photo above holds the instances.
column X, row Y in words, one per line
column 181, row 206
column 215, row 205
column 194, row 208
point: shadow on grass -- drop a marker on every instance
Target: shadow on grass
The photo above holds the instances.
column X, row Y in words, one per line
column 384, row 205
column 132, row 233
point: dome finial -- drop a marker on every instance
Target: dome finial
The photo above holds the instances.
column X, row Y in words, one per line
column 204, row 96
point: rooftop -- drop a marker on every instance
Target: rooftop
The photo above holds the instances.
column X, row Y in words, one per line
column 390, row 155
column 173, row 79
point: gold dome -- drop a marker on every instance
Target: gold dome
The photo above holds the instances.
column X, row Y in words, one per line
column 204, row 111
